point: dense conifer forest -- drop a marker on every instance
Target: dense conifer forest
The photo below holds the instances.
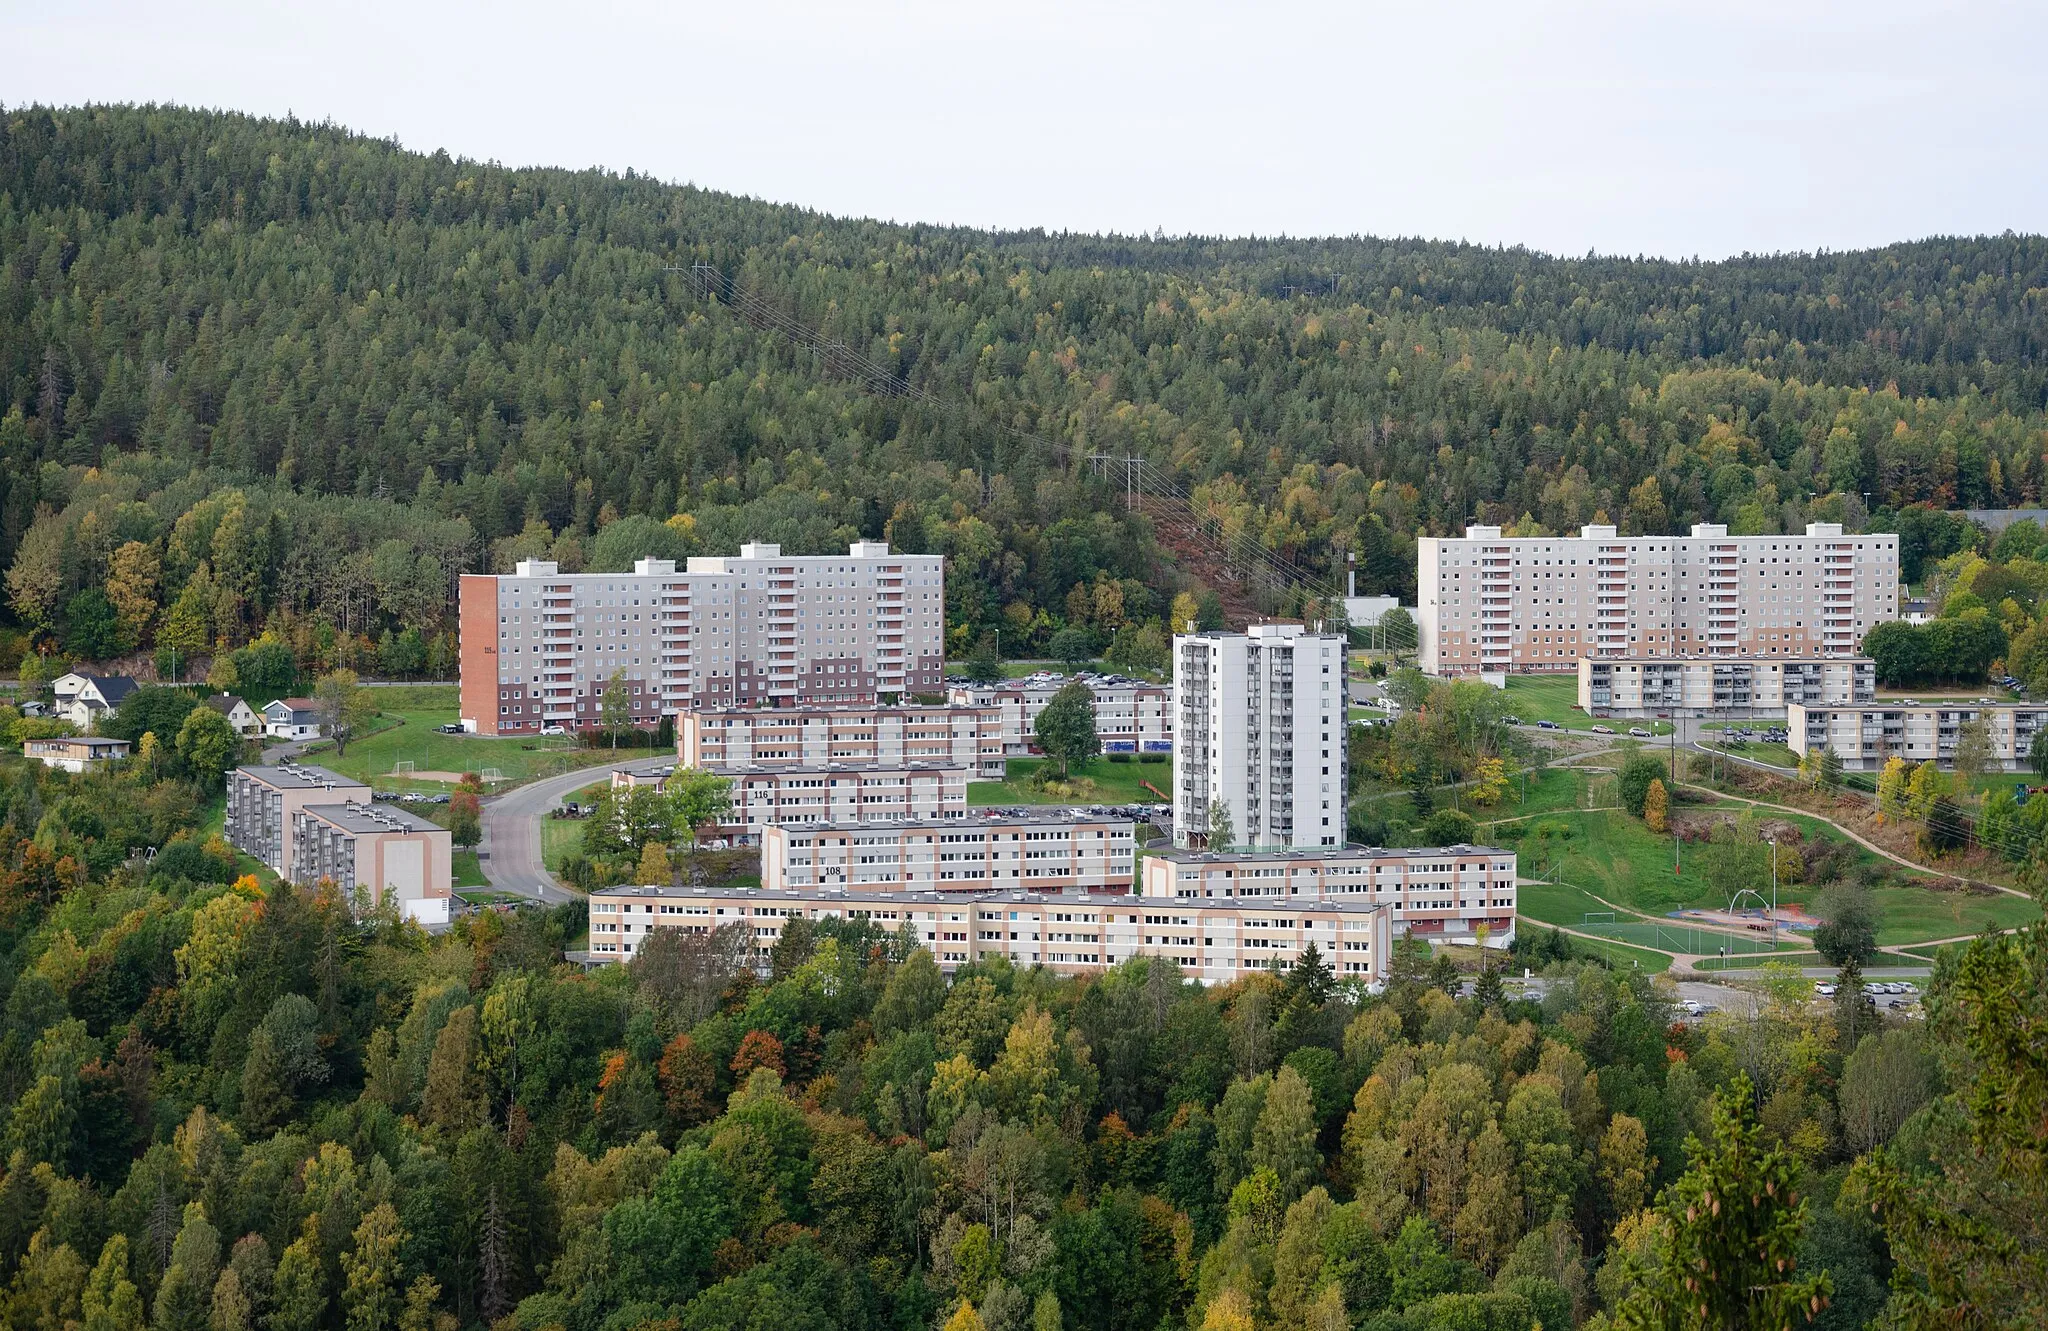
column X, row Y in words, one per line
column 320, row 375
column 266, row 388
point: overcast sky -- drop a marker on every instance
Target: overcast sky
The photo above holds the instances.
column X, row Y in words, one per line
column 1637, row 127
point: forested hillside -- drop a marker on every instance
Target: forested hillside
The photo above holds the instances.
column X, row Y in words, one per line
column 319, row 375
column 231, row 1106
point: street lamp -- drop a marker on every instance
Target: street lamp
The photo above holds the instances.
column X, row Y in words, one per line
column 1774, row 893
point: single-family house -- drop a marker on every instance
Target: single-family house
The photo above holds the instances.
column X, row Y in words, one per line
column 76, row 753
column 239, row 713
column 84, row 699
column 291, row 718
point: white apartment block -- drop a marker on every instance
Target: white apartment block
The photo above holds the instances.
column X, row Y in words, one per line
column 1721, row 686
column 1259, row 721
column 1131, row 716
column 1056, row 853
column 1215, row 942
column 1443, row 894
column 1537, row 603
column 836, row 793
column 718, row 738
column 1867, row 737
column 263, row 802
column 540, row 645
column 380, row 850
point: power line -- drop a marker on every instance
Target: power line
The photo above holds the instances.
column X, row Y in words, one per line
column 1141, row 476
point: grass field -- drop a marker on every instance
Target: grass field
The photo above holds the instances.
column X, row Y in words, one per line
column 1612, row 858
column 560, row 836
column 1556, row 697
column 468, row 871
column 412, row 713
column 1623, row 955
column 1105, row 783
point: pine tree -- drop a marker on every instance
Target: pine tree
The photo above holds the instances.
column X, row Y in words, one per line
column 1728, row 1255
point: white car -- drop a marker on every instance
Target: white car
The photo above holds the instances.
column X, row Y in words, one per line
column 553, row 730
column 1603, row 730
column 1638, row 732
column 1823, row 988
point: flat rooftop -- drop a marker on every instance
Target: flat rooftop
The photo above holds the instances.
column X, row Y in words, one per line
column 1059, row 901
column 359, row 818
column 981, row 818
column 296, row 776
column 1320, row 855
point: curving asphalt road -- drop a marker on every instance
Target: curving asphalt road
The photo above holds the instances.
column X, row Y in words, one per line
column 511, row 844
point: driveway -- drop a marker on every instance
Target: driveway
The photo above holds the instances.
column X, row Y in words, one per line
column 511, row 844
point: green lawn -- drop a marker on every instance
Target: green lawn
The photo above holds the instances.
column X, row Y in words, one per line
column 1611, row 855
column 468, row 871
column 1914, row 914
column 1556, row 698
column 1106, row 783
column 406, row 734
column 1623, row 955
column 560, row 836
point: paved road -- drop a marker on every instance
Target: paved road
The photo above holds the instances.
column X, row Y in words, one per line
column 511, row 844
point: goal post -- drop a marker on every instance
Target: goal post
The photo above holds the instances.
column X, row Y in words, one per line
column 404, row 767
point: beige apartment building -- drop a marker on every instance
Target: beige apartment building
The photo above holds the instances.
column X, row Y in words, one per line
column 264, row 801
column 1213, row 941
column 1440, row 893
column 720, row 738
column 1496, row 603
column 837, row 793
column 380, row 850
column 539, row 646
column 1053, row 853
column 1131, row 715
column 1721, row 686
column 1867, row 737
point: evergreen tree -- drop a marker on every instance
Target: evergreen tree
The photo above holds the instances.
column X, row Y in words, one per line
column 1729, row 1249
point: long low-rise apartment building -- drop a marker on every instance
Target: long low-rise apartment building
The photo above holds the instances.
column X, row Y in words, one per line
column 717, row 739
column 1719, row 686
column 1131, row 715
column 380, row 850
column 1440, row 893
column 1213, row 941
column 264, row 800
column 835, row 793
column 1041, row 853
column 1867, row 737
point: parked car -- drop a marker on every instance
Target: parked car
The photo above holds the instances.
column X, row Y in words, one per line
column 1548, row 725
column 553, row 730
column 1637, row 732
column 1511, row 720
column 1823, row 988
column 1603, row 730
column 450, row 728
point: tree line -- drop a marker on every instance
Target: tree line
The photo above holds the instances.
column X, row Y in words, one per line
column 361, row 339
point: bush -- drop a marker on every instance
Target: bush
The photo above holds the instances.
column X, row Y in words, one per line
column 1636, row 776
column 188, row 859
column 1118, row 757
column 1449, row 827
